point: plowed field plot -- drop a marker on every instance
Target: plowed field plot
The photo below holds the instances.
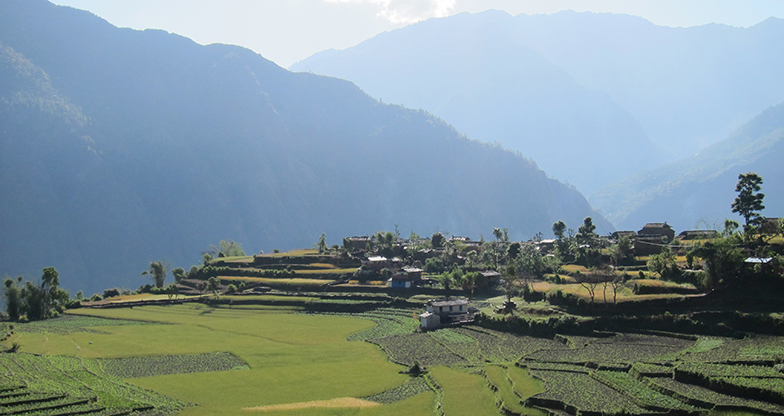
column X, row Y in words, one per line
column 702, row 396
column 134, row 367
column 388, row 321
column 411, row 388
column 503, row 347
column 605, row 353
column 581, row 393
column 462, row 345
column 65, row 385
column 641, row 393
column 724, row 370
column 751, row 350
column 421, row 348
column 72, row 323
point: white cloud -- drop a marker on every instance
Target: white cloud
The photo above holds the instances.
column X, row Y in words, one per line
column 407, row 11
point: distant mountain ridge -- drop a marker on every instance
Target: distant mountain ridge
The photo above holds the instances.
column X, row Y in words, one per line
column 120, row 147
column 592, row 98
column 698, row 191
column 473, row 71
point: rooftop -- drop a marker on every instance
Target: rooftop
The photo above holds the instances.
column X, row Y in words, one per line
column 450, row 302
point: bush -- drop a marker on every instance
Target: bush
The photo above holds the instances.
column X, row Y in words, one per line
column 108, row 293
column 231, row 288
column 96, row 297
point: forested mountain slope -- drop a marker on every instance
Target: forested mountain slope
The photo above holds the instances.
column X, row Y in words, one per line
column 698, row 191
column 119, row 147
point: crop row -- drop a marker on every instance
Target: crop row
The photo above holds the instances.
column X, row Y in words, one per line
column 72, row 323
column 133, row 367
column 625, row 338
column 411, row 348
column 73, row 378
column 725, row 370
column 573, row 368
column 651, row 370
column 755, row 350
column 410, row 388
column 460, row 344
column 604, row 353
column 503, row 347
column 577, row 392
column 702, row 396
column 641, row 392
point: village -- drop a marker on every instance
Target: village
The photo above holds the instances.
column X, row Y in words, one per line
column 454, row 279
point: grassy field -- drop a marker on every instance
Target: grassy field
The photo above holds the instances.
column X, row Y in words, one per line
column 200, row 360
column 624, row 295
column 293, row 358
column 456, row 384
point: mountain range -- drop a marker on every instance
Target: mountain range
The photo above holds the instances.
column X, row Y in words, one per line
column 696, row 192
column 592, row 98
column 119, row 147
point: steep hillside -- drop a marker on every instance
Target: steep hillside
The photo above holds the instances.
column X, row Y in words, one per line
column 120, row 147
column 476, row 73
column 699, row 190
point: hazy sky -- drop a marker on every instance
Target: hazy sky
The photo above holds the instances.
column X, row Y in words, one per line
column 287, row 31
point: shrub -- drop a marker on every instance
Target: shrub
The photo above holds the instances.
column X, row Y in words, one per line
column 108, row 293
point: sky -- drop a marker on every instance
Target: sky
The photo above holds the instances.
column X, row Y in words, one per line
column 287, row 31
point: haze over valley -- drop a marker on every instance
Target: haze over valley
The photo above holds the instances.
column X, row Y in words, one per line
column 122, row 145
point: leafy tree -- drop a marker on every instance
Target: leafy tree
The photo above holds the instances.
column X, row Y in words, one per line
column 39, row 301
column 179, row 274
column 229, row 248
column 730, row 226
column 663, row 263
column 472, row 259
column 213, row 284
column 586, row 234
column 723, row 261
column 321, row 245
column 749, row 201
column 513, row 250
column 622, row 251
column 33, row 301
column 470, row 282
column 501, row 235
column 157, row 273
column 12, row 298
column 445, row 279
column 530, row 263
column 437, row 240
column 559, row 228
column 172, row 290
column 492, row 253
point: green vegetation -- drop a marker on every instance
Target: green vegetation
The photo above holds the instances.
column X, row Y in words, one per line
column 65, row 385
column 456, row 402
column 132, row 367
column 35, row 301
column 282, row 350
